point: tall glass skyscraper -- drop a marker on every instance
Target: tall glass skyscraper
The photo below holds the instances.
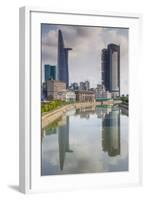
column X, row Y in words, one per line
column 62, row 73
column 105, row 69
column 114, row 65
column 111, row 68
column 50, row 72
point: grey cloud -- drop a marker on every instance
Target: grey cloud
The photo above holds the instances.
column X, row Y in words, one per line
column 87, row 43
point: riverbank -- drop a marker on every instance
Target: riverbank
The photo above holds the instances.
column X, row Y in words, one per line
column 124, row 105
column 51, row 116
column 124, row 108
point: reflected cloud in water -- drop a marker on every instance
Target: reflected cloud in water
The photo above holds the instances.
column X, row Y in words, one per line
column 86, row 140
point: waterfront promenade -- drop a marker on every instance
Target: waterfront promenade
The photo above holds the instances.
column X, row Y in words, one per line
column 51, row 116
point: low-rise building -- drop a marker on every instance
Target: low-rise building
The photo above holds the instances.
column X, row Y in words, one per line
column 101, row 93
column 56, row 89
column 106, row 95
column 70, row 96
column 85, row 95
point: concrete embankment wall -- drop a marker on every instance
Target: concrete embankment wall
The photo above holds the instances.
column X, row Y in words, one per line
column 54, row 115
column 57, row 113
column 124, row 108
column 124, row 105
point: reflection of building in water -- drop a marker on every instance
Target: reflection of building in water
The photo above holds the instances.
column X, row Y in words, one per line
column 85, row 115
column 111, row 132
column 62, row 122
column 48, row 131
column 90, row 109
column 124, row 111
column 70, row 112
column 102, row 111
column 63, row 140
column 85, row 112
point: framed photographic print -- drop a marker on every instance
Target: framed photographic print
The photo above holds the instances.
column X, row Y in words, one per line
column 79, row 88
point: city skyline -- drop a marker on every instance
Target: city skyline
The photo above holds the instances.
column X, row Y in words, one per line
column 87, row 44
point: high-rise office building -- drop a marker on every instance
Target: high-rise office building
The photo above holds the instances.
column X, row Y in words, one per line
column 63, row 73
column 105, row 69
column 66, row 51
column 61, row 58
column 111, row 69
column 114, row 65
column 50, row 72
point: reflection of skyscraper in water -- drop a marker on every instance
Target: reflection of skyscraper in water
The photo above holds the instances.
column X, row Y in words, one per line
column 111, row 132
column 102, row 111
column 86, row 112
column 63, row 140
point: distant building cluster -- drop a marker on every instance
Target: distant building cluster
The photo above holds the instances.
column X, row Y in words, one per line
column 56, row 78
column 81, row 86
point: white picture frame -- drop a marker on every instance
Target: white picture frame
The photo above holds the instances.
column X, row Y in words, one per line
column 29, row 161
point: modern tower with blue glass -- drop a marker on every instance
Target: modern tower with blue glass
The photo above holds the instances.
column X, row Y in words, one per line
column 62, row 62
column 50, row 72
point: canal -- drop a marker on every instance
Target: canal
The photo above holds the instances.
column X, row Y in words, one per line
column 86, row 140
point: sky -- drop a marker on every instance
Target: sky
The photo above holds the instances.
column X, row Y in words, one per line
column 85, row 58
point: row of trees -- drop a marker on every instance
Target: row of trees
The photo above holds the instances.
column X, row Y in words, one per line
column 125, row 99
column 46, row 107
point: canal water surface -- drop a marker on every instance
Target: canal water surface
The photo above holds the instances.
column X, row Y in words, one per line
column 86, row 140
